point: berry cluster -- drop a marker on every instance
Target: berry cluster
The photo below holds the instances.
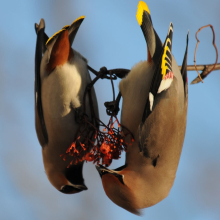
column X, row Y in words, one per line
column 107, row 145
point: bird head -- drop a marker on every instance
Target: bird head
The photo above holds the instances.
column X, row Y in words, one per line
column 69, row 181
column 117, row 190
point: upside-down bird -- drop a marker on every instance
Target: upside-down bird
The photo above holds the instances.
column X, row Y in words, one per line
column 154, row 109
column 61, row 77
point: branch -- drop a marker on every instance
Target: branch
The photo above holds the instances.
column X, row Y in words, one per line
column 206, row 70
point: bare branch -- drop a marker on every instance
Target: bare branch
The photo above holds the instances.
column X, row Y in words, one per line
column 206, row 70
column 202, row 67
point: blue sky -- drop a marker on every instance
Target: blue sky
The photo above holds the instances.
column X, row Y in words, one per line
column 109, row 36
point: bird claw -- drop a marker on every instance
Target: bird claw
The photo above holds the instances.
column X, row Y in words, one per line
column 112, row 108
column 114, row 73
column 104, row 74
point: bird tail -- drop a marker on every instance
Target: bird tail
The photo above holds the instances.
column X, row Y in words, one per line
column 154, row 44
column 184, row 68
column 72, row 30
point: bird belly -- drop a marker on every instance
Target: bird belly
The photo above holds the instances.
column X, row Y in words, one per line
column 135, row 89
column 60, row 95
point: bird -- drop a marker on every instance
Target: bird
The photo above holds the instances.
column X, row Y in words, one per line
column 154, row 109
column 61, row 78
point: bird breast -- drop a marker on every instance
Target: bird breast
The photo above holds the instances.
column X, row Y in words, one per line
column 60, row 89
column 135, row 89
column 60, row 94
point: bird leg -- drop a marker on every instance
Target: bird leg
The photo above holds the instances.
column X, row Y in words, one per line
column 112, row 108
column 90, row 142
column 114, row 73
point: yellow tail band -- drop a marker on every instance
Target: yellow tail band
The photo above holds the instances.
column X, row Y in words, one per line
column 81, row 17
column 142, row 6
column 64, row 28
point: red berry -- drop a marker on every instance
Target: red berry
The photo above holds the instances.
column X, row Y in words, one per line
column 105, row 148
column 90, row 157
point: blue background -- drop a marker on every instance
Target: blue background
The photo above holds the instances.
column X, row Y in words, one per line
column 109, row 36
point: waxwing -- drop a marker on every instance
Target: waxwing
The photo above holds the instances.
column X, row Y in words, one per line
column 154, row 109
column 61, row 77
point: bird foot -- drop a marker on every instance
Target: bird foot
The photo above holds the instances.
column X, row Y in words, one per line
column 112, row 108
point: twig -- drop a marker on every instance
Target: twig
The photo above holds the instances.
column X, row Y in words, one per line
column 90, row 143
column 113, row 88
column 202, row 67
column 206, row 70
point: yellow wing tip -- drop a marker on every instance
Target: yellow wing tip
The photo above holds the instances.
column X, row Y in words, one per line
column 142, row 6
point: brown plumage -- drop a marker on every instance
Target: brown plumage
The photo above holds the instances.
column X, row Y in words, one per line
column 154, row 109
column 61, row 77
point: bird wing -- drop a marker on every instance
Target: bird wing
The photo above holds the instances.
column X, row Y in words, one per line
column 163, row 75
column 39, row 117
column 45, row 38
column 161, row 81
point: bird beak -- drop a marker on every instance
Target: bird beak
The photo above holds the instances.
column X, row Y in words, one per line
column 79, row 187
column 101, row 169
column 72, row 30
column 71, row 188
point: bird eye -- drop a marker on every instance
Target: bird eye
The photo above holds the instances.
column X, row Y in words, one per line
column 67, row 189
